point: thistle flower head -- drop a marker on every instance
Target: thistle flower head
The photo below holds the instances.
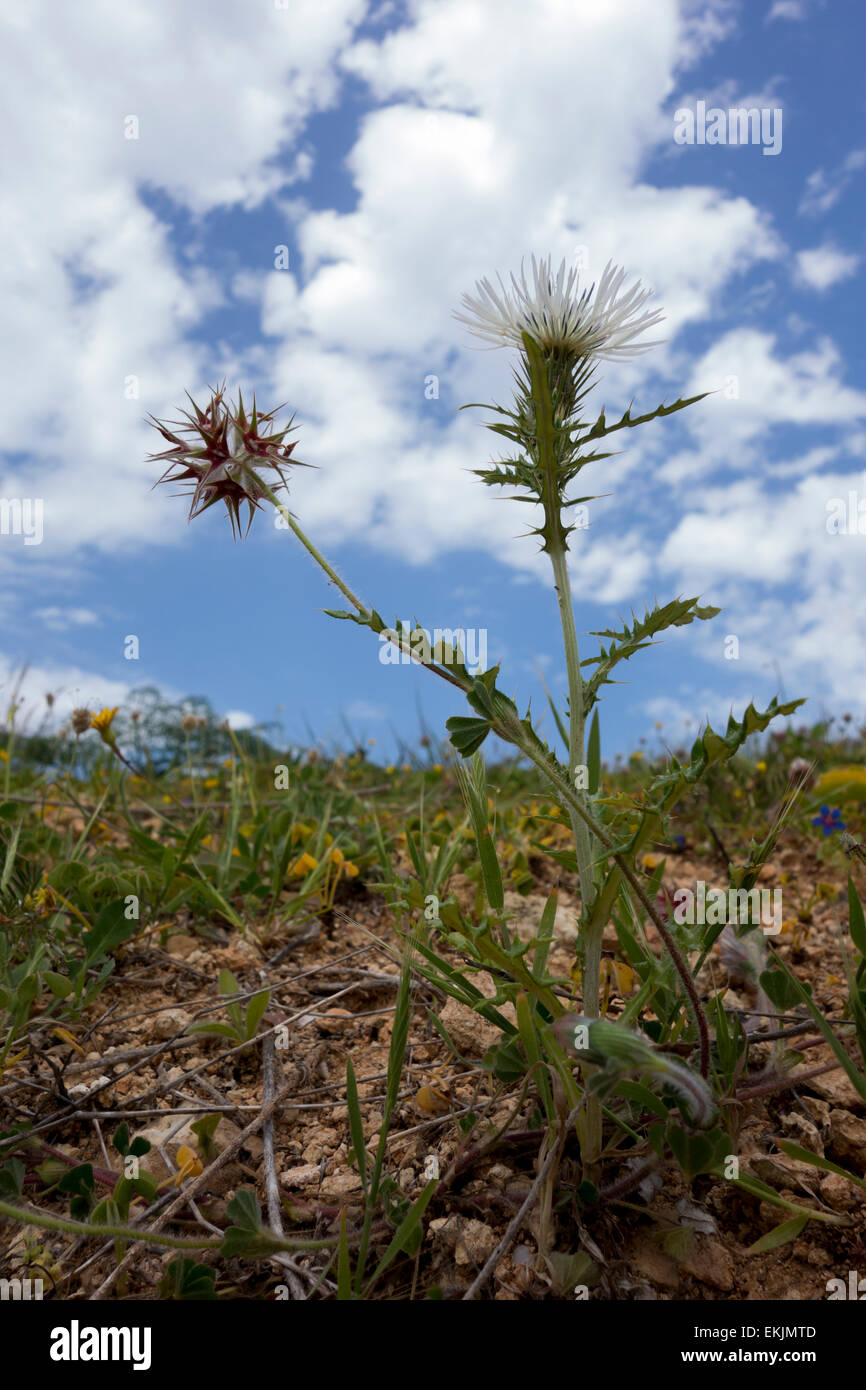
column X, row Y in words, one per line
column 220, row 452
column 81, row 718
column 598, row 322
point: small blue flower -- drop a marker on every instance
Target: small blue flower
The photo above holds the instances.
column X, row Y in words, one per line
column 829, row 820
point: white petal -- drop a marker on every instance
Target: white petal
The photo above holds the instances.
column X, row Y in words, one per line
column 594, row 322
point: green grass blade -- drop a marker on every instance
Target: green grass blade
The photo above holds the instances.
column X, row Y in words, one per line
column 255, row 1009
column 780, row 1235
column 356, row 1125
column 404, row 1232
column 344, row 1266
column 545, row 937
column 593, row 755
column 856, row 920
column 817, row 1161
column 858, row 1080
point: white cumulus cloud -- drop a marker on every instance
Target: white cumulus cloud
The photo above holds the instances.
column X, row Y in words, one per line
column 823, row 266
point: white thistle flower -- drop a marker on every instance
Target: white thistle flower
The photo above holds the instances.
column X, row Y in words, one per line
column 594, row 322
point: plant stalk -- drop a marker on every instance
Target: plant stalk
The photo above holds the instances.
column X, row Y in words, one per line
column 550, row 770
column 592, row 936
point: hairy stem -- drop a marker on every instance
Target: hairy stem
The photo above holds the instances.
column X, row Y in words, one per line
column 516, row 735
column 592, row 935
column 95, row 1231
column 560, row 783
column 576, row 739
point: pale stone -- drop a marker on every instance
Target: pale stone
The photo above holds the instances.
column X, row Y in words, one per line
column 710, row 1263
column 300, row 1177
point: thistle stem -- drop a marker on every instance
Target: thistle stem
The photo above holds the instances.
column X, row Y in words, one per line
column 550, row 769
column 311, row 549
column 563, row 790
column 576, row 755
column 592, row 937
column 549, row 403
column 356, row 603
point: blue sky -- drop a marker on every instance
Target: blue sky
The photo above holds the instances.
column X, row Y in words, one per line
column 401, row 152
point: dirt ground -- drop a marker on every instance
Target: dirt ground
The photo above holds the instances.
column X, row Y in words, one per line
column 333, row 988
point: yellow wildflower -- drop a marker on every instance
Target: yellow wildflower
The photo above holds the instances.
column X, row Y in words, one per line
column 433, row 1098
column 42, row 899
column 65, row 1036
column 303, row 866
column 102, row 722
column 189, row 1166
column 189, row 1163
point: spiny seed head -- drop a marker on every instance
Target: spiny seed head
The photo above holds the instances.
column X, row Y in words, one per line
column 80, row 721
column 219, row 453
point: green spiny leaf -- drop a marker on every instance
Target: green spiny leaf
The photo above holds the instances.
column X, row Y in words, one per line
column 629, row 640
column 601, row 428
